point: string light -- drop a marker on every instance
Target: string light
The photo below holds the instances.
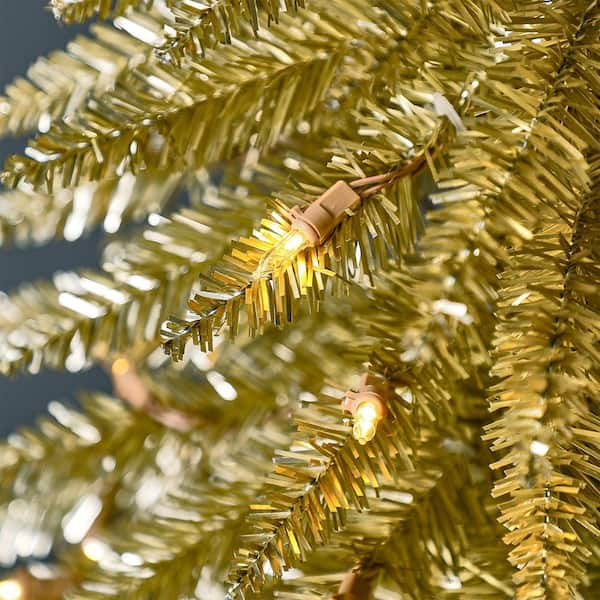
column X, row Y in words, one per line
column 310, row 227
column 283, row 251
column 11, row 589
column 313, row 226
column 357, row 585
column 367, row 407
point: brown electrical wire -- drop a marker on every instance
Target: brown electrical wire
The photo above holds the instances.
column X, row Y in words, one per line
column 385, row 179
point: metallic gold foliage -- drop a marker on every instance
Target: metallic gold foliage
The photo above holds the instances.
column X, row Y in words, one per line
column 237, row 445
column 75, row 11
column 28, row 217
column 315, row 491
column 399, row 114
column 313, row 487
column 547, row 358
column 78, row 315
column 463, row 306
column 466, row 280
column 385, row 225
column 405, row 544
column 52, row 467
column 448, row 286
column 195, row 26
column 58, row 84
column 196, row 524
column 271, row 297
column 163, row 116
column 35, row 460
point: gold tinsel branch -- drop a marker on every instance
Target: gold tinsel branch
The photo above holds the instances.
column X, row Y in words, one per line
column 241, row 281
column 192, row 528
column 85, row 314
column 513, row 240
column 317, row 486
column 164, row 116
column 401, row 546
column 36, row 460
column 234, row 286
column 447, row 287
column 76, row 11
column 56, row 465
column 569, row 174
column 240, row 444
column 311, row 490
column 547, row 358
column 57, row 85
column 195, row 27
column 28, row 217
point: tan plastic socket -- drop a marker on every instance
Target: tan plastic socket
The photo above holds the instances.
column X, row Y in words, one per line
column 327, row 211
column 366, row 391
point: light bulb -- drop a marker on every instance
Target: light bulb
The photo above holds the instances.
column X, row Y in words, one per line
column 367, row 411
column 367, row 405
column 367, row 416
column 283, row 251
column 10, row 589
column 364, row 432
column 294, row 240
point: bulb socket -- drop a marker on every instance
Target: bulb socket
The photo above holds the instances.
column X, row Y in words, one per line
column 325, row 213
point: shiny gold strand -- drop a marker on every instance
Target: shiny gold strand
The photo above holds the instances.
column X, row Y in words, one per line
column 469, row 251
column 28, row 217
column 547, row 428
column 75, row 11
column 56, row 85
column 195, row 26
column 382, row 226
column 456, row 310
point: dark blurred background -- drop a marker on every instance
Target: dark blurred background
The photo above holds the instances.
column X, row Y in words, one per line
column 28, row 30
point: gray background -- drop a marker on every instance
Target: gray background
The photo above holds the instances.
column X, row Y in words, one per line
column 28, row 30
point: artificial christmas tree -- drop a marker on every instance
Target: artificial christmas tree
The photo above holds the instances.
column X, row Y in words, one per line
column 390, row 261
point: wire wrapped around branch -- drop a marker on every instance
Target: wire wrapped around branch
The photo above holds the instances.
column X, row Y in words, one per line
column 268, row 273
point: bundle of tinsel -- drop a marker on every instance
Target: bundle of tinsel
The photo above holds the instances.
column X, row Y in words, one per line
column 349, row 299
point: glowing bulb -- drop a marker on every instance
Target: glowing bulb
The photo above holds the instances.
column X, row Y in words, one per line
column 364, row 431
column 367, row 416
column 120, row 366
column 283, row 251
column 10, row 589
column 293, row 241
column 367, row 412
